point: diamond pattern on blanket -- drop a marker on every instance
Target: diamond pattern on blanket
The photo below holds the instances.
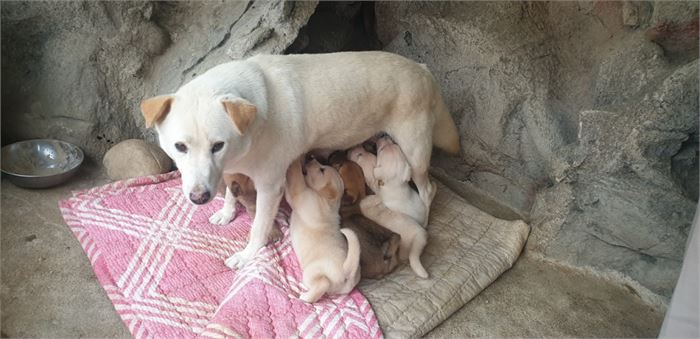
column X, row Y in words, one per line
column 161, row 263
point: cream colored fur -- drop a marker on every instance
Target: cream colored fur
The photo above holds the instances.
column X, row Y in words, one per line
column 269, row 109
column 367, row 162
column 330, row 263
column 413, row 236
column 392, row 174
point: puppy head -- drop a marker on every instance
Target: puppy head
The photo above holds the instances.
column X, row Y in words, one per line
column 239, row 184
column 325, row 180
column 363, row 158
column 392, row 165
column 384, row 141
column 353, row 181
column 201, row 132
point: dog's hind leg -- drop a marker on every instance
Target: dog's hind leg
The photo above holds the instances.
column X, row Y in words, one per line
column 417, row 246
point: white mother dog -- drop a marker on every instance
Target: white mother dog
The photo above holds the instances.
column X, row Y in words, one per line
column 256, row 116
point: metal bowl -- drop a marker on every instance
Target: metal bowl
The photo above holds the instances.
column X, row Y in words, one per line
column 40, row 163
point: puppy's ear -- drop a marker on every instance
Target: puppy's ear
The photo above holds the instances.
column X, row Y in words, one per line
column 155, row 109
column 241, row 112
column 328, row 192
column 348, row 199
column 405, row 174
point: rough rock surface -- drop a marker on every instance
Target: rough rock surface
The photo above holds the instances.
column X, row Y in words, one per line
column 571, row 116
column 77, row 71
column 135, row 158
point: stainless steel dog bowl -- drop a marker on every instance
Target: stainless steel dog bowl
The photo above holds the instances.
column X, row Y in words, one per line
column 40, row 163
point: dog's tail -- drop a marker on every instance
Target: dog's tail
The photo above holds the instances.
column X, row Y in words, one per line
column 352, row 260
column 417, row 245
column 319, row 287
column 445, row 134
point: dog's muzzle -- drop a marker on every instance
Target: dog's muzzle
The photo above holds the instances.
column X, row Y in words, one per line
column 200, row 196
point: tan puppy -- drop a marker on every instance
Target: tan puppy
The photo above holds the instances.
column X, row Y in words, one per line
column 379, row 246
column 393, row 174
column 329, row 263
column 243, row 191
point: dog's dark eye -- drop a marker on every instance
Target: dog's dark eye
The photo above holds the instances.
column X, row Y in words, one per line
column 217, row 147
column 323, row 169
column 181, row 147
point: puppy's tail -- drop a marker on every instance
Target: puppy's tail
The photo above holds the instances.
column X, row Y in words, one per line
column 417, row 245
column 319, row 287
column 352, row 260
column 445, row 134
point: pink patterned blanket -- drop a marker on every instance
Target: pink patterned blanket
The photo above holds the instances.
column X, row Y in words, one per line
column 161, row 263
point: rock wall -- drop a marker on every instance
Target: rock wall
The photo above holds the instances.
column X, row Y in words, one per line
column 581, row 117
column 77, row 71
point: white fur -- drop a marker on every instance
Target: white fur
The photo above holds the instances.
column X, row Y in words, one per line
column 367, row 161
column 413, row 236
column 392, row 174
column 327, row 101
column 328, row 264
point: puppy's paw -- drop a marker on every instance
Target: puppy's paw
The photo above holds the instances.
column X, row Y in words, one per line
column 222, row 217
column 237, row 261
column 307, row 297
column 275, row 235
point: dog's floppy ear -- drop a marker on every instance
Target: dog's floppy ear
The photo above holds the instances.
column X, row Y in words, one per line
column 155, row 109
column 348, row 199
column 241, row 112
column 328, row 192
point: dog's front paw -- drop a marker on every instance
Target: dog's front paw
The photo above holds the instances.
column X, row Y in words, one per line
column 222, row 217
column 237, row 260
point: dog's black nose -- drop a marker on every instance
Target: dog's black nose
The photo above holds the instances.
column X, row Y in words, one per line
column 200, row 198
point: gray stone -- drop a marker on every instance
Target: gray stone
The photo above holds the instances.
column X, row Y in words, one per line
column 135, row 158
column 630, row 13
column 569, row 117
column 77, row 71
column 674, row 26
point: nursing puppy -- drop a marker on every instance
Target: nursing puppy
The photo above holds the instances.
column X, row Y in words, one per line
column 379, row 246
column 393, row 174
column 413, row 236
column 367, row 161
column 255, row 116
column 329, row 262
column 243, row 191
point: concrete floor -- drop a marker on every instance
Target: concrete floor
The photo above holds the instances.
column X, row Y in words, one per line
column 49, row 289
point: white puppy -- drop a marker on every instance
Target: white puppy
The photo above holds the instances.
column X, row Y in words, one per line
column 329, row 264
column 255, row 116
column 392, row 174
column 404, row 212
column 413, row 236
